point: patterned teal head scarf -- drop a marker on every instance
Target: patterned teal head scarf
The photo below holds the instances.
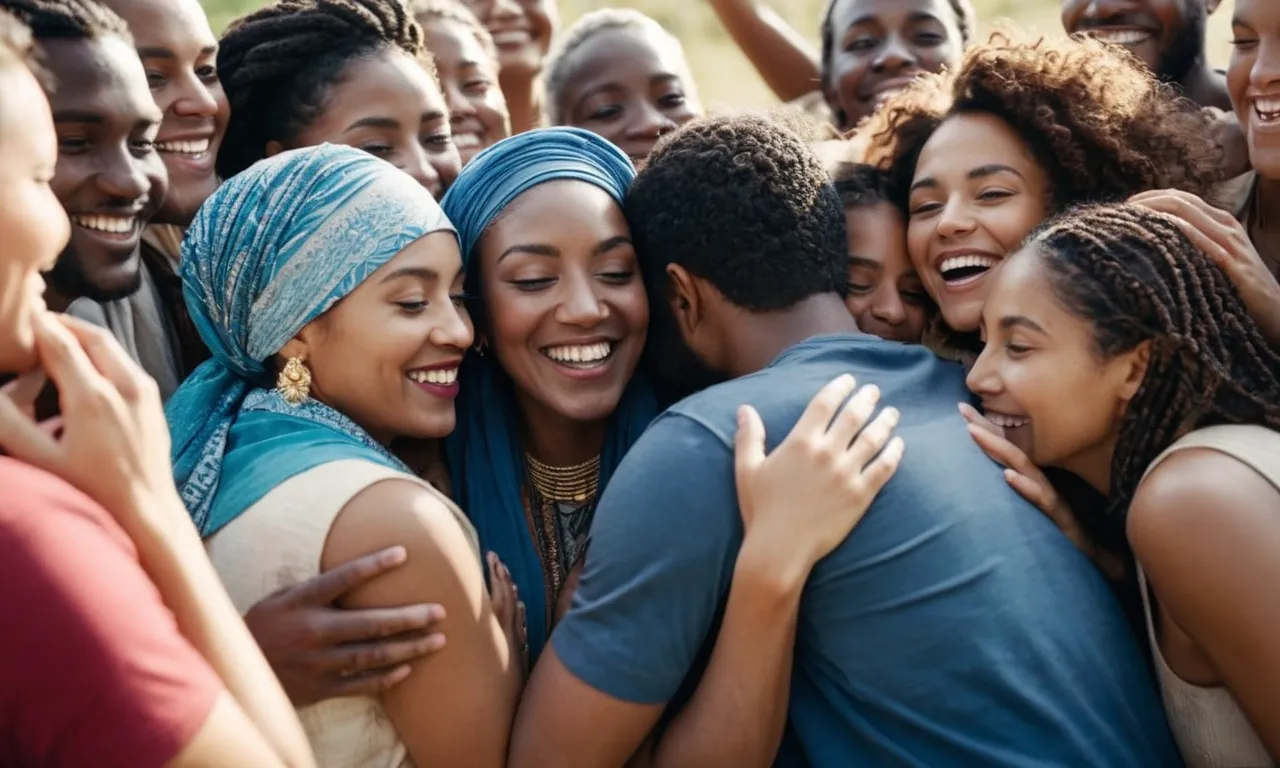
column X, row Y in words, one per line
column 271, row 250
column 486, row 460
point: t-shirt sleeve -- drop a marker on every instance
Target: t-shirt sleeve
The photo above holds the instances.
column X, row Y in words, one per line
column 93, row 669
column 662, row 548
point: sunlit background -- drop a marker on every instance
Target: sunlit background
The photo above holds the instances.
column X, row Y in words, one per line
column 725, row 78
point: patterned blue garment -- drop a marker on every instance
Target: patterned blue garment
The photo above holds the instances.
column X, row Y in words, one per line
column 486, row 460
column 271, row 250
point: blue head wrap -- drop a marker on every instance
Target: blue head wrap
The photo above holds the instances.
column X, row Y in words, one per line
column 485, row 457
column 271, row 250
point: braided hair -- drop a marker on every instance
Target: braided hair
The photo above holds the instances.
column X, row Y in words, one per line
column 278, row 64
column 966, row 21
column 1135, row 277
column 67, row 19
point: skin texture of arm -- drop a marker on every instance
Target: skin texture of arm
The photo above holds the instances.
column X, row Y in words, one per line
column 1206, row 531
column 455, row 707
column 779, row 54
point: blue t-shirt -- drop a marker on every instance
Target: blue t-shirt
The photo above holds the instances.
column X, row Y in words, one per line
column 954, row 626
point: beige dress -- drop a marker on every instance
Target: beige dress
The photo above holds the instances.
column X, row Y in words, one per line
column 1207, row 723
column 278, row 543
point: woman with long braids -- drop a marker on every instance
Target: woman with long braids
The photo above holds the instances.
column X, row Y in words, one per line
column 1119, row 351
column 305, row 72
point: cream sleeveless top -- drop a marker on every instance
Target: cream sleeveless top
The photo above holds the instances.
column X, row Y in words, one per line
column 278, row 543
column 1207, row 723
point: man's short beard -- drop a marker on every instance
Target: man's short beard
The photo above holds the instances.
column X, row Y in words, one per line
column 68, row 279
column 676, row 371
column 1187, row 47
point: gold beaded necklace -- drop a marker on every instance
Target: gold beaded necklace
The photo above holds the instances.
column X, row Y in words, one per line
column 564, row 484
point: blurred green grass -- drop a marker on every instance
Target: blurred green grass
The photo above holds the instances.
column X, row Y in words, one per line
column 726, row 78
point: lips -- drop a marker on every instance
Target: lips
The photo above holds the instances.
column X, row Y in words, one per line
column 1267, row 110
column 581, row 356
column 191, row 148
column 958, row 269
column 884, row 89
column 1006, row 420
column 110, row 226
column 440, row 380
column 467, row 140
column 511, row 38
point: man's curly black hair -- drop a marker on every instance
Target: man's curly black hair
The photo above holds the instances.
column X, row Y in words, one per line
column 741, row 202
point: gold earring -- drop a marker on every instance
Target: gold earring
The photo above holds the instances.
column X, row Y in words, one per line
column 294, row 381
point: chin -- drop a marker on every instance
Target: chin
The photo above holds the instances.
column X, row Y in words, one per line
column 425, row 427
column 964, row 317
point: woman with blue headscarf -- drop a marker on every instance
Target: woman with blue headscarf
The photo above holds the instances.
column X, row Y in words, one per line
column 326, row 284
column 551, row 400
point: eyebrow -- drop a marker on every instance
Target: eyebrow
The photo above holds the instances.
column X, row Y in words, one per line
column 981, row 172
column 914, row 17
column 612, row 87
column 863, row 261
column 550, row 251
column 152, row 52
column 77, row 116
column 419, row 272
column 1019, row 321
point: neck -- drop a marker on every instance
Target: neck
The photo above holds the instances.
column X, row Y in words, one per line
column 1205, row 87
column 524, row 101
column 1094, row 467
column 768, row 334
column 555, row 439
column 56, row 300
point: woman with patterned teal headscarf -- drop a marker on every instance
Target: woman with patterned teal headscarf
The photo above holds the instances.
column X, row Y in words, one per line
column 326, row 284
column 551, row 400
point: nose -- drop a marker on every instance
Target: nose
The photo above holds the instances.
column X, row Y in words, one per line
column 894, row 55
column 455, row 329
column 1097, row 10
column 955, row 220
column 504, row 9
column 419, row 166
column 1265, row 74
column 984, row 379
column 197, row 100
column 121, row 176
column 460, row 107
column 651, row 123
column 887, row 306
column 579, row 304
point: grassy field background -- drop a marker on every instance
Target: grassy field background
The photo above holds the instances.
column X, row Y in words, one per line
column 726, row 78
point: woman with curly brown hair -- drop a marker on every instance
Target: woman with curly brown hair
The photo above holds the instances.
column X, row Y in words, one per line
column 1019, row 132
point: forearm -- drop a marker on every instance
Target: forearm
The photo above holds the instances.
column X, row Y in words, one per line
column 738, row 713
column 172, row 555
column 780, row 55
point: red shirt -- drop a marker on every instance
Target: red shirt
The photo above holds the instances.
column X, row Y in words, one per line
column 93, row 670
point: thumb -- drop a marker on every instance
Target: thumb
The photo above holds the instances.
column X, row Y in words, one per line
column 749, row 443
column 23, row 439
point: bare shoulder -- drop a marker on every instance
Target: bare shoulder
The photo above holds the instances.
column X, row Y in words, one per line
column 404, row 513
column 1200, row 499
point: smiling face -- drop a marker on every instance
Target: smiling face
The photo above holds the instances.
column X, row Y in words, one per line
column 976, row 194
column 180, row 53
column 566, row 308
column 885, row 296
column 879, row 46
column 109, row 178
column 1166, row 34
column 521, row 30
column 35, row 226
column 1253, row 80
column 469, row 76
column 387, row 105
column 1041, row 377
column 387, row 355
column 628, row 85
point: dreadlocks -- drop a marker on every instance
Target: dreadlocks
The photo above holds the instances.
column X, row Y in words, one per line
column 67, row 19
column 277, row 65
column 1136, row 278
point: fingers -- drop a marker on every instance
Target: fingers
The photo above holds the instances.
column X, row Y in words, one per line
column 972, row 416
column 1191, row 209
column 361, row 658
column 108, row 357
column 65, row 361
column 853, row 417
column 822, row 408
column 1034, row 492
column 368, row 685
column 356, row 626
column 502, row 592
column 333, row 584
column 24, row 390
column 22, row 438
column 882, row 467
column 748, row 453
column 1003, row 451
column 873, row 438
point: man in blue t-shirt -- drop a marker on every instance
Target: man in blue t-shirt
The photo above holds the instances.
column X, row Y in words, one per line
column 955, row 626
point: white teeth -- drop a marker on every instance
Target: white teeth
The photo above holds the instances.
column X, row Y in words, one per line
column 183, row 147
column 580, row 353
column 466, row 140
column 1267, row 109
column 441, row 376
column 515, row 37
column 1005, row 421
column 116, row 225
column 1122, row 36
column 961, row 262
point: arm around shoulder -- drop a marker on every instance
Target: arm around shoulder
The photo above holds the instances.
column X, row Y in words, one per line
column 455, row 707
column 1206, row 530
